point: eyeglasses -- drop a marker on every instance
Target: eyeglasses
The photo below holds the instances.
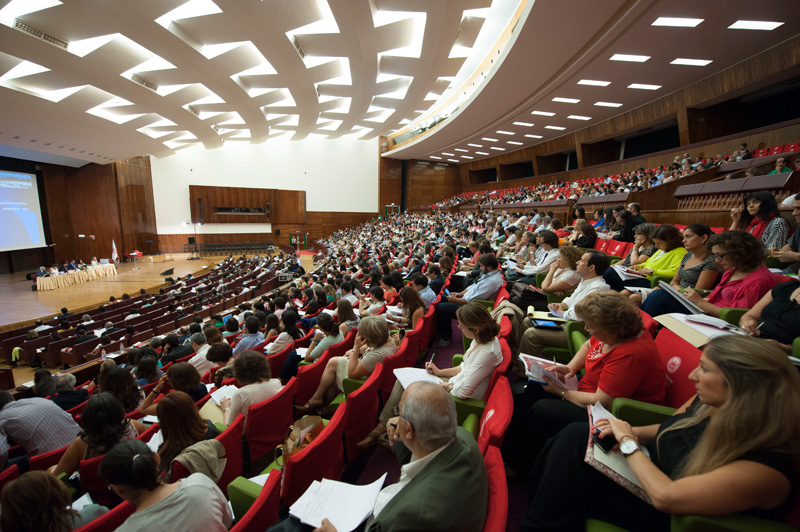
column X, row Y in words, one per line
column 398, row 414
column 720, row 256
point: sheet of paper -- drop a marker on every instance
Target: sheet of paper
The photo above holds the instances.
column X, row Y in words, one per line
column 210, row 386
column 28, row 384
column 408, row 376
column 223, row 393
column 262, row 479
column 626, row 275
column 345, row 505
column 329, row 311
column 536, row 372
column 600, row 412
column 149, row 419
column 717, row 323
column 394, row 309
column 460, row 274
column 83, row 501
column 302, row 351
column 155, row 441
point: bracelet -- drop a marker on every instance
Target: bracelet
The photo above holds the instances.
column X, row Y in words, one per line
column 226, row 410
column 563, row 395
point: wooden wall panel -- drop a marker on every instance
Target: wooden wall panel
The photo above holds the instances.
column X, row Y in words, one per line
column 82, row 201
column 289, row 206
column 390, row 174
column 215, row 197
column 137, row 212
column 320, row 224
column 430, row 182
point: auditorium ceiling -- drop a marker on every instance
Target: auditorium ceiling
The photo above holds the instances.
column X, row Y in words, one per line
column 98, row 81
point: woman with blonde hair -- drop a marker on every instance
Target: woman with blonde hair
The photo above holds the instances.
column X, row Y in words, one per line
column 470, row 380
column 731, row 448
column 560, row 280
column 372, row 346
column 621, row 360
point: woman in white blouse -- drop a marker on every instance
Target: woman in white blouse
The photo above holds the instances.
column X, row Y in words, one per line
column 539, row 261
column 469, row 380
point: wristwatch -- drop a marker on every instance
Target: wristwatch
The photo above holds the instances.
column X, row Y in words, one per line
column 630, row 446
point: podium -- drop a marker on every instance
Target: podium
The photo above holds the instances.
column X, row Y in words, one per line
column 134, row 255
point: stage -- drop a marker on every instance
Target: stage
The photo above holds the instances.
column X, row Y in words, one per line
column 22, row 306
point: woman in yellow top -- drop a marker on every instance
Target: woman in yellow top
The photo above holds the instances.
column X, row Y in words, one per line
column 664, row 262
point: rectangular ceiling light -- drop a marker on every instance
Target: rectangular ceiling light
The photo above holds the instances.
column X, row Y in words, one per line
column 462, row 149
column 594, row 83
column 435, row 157
column 481, row 153
column 448, row 154
column 524, row 124
column 765, row 25
column 608, row 104
column 690, row 62
column 534, row 136
column 644, row 86
column 514, row 142
column 498, row 149
column 566, row 100
column 677, row 22
column 475, row 145
column 579, row 117
column 630, row 58
column 542, row 113
column 500, row 131
column 557, row 128
column 467, row 157
column 487, row 139
column 454, row 160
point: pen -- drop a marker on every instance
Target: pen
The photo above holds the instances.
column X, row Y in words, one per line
column 393, row 424
column 434, row 354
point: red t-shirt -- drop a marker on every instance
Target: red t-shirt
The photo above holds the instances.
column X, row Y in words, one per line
column 632, row 370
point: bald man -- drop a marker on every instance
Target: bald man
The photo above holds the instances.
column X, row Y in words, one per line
column 440, row 461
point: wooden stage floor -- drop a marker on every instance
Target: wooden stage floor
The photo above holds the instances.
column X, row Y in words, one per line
column 22, row 306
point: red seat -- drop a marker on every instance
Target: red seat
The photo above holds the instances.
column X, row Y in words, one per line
column 390, row 363
column 231, row 439
column 680, row 358
column 760, row 153
column 496, row 416
column 601, row 244
column 321, row 459
column 505, row 327
column 95, row 485
column 149, row 433
column 109, row 521
column 616, row 248
column 650, row 325
column 277, row 360
column 363, row 406
column 793, row 147
column 264, row 511
column 497, row 504
column 268, row 421
column 305, row 341
column 10, row 473
column 308, row 377
column 44, row 461
column 775, row 150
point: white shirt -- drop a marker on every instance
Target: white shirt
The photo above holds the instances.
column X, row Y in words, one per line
column 542, row 263
column 479, row 363
column 199, row 360
column 585, row 287
column 407, row 474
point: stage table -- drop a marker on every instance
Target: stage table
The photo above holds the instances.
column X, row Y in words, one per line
column 75, row 277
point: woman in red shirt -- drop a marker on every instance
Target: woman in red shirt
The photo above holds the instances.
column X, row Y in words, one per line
column 621, row 360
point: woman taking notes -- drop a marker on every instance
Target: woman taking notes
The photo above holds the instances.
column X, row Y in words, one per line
column 730, row 449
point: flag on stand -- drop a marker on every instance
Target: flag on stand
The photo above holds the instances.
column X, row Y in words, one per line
column 114, row 256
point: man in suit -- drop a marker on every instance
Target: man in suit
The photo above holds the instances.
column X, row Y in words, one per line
column 435, row 280
column 414, row 267
column 438, row 459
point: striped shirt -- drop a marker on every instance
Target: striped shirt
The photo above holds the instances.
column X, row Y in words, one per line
column 38, row 425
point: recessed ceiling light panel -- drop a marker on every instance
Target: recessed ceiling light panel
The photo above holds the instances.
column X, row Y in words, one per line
column 475, row 145
column 565, row 100
column 608, row 104
column 690, row 62
column 489, row 139
column 523, row 124
column 534, row 136
column 542, row 113
column 764, row 25
column 500, row 131
column 676, row 22
column 579, row 117
column 644, row 86
column 630, row 58
column 594, row 83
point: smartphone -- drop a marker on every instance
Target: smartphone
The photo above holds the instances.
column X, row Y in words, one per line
column 606, row 444
column 446, row 291
column 545, row 324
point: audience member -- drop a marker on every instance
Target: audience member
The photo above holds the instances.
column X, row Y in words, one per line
column 67, row 396
column 727, row 450
column 104, row 426
column 253, row 375
column 39, row 502
column 372, row 346
column 181, row 427
column 192, row 503
column 761, row 218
